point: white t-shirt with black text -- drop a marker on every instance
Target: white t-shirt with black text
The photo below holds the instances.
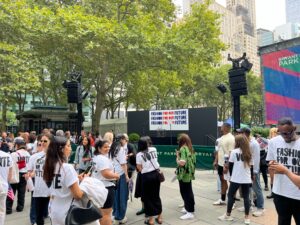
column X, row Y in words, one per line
column 65, row 176
column 100, row 163
column 40, row 187
column 287, row 154
column 5, row 164
column 19, row 155
column 142, row 159
column 241, row 174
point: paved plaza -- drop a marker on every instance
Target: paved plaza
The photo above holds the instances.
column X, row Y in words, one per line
column 205, row 190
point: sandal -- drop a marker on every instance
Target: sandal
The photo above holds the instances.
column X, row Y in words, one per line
column 159, row 221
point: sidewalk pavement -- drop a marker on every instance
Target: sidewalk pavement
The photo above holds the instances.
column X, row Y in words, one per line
column 205, row 191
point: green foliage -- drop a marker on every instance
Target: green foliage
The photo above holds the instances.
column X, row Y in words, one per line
column 264, row 132
column 130, row 52
column 134, row 137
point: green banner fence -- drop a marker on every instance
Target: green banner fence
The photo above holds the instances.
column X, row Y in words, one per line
column 167, row 156
column 204, row 156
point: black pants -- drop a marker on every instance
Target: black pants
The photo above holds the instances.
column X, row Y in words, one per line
column 41, row 208
column 187, row 195
column 21, row 189
column 264, row 171
column 286, row 208
column 245, row 192
column 150, row 193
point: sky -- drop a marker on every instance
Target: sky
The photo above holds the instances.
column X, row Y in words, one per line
column 269, row 13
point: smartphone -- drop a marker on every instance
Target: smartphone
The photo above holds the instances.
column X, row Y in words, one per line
column 89, row 169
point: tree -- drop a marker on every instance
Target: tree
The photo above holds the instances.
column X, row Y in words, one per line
column 17, row 64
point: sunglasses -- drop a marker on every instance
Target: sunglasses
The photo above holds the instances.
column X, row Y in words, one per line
column 286, row 133
column 43, row 141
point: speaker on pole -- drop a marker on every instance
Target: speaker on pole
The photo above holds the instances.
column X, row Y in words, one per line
column 74, row 92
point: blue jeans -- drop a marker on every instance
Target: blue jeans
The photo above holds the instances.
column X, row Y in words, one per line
column 121, row 197
column 32, row 214
column 258, row 192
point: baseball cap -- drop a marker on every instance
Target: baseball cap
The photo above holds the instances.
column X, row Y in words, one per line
column 19, row 141
column 246, row 130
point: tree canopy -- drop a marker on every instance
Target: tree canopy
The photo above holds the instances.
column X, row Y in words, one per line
column 131, row 52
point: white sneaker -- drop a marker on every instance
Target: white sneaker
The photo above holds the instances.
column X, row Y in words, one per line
column 225, row 218
column 247, row 221
column 258, row 212
column 219, row 202
column 181, row 205
column 242, row 209
column 187, row 216
column 123, row 221
column 233, row 207
column 183, row 210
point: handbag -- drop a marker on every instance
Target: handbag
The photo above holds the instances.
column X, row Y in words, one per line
column 15, row 177
column 77, row 215
column 160, row 174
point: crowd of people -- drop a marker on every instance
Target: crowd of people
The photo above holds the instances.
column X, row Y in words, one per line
column 240, row 158
column 41, row 164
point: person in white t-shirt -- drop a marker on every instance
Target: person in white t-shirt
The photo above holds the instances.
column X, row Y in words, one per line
column 62, row 179
column 285, row 149
column 103, row 170
column 241, row 175
column 5, row 174
column 147, row 164
column 30, row 168
column 256, row 187
column 21, row 157
column 118, row 156
column 41, row 191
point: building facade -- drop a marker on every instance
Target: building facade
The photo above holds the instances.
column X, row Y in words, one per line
column 264, row 37
column 286, row 32
column 238, row 27
column 292, row 9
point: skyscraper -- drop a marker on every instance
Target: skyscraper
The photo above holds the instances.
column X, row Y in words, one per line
column 238, row 27
column 292, row 9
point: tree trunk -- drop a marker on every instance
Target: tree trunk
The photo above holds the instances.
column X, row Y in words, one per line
column 4, row 118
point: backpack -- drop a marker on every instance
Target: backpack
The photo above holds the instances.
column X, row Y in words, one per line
column 22, row 162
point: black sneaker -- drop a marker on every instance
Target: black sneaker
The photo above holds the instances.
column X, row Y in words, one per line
column 19, row 209
column 270, row 196
column 140, row 212
column 8, row 212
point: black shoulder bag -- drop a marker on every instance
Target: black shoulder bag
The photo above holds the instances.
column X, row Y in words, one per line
column 161, row 176
column 82, row 215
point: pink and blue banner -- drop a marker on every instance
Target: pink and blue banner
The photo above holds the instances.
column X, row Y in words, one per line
column 281, row 71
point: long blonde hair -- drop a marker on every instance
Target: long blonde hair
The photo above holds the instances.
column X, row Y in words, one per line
column 109, row 136
column 273, row 132
column 242, row 142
